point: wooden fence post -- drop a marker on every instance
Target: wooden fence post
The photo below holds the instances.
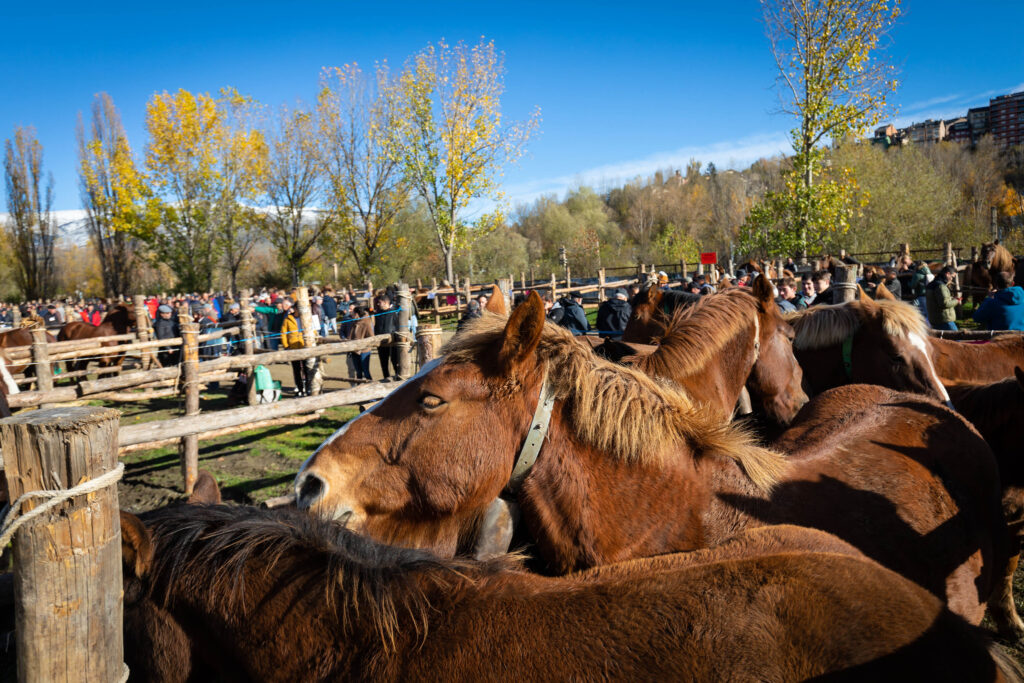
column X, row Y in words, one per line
column 469, row 294
column 249, row 348
column 947, row 253
column 403, row 338
column 16, row 316
column 600, row 285
column 554, row 288
column 568, row 277
column 682, row 269
column 67, row 561
column 142, row 326
column 437, row 304
column 313, row 377
column 845, row 283
column 41, row 362
column 189, row 447
column 522, row 278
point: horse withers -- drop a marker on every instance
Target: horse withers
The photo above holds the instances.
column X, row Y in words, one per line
column 607, row 464
column 247, row 594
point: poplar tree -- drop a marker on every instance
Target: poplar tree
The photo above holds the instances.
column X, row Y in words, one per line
column 833, row 79
column 113, row 194
column 451, row 140
column 30, row 227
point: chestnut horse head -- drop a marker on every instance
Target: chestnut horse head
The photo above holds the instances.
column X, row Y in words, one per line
column 726, row 341
column 995, row 257
column 652, row 308
column 121, row 318
column 866, row 342
column 421, row 467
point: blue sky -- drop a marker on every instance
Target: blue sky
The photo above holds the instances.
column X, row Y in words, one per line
column 623, row 89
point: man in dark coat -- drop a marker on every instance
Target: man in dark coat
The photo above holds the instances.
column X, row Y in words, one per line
column 166, row 327
column 613, row 314
column 386, row 322
column 573, row 318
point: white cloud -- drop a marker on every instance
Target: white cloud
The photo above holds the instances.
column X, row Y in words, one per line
column 732, row 154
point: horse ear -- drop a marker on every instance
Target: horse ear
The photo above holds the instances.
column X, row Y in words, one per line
column 205, row 490
column 522, row 331
column 762, row 289
column 496, row 302
column 882, row 292
column 136, row 545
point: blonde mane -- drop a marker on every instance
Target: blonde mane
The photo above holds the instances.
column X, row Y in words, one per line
column 698, row 333
column 620, row 410
column 822, row 326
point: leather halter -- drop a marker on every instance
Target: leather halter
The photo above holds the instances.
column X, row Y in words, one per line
column 534, row 437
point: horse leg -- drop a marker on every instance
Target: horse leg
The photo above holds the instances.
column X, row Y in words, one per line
column 1001, row 607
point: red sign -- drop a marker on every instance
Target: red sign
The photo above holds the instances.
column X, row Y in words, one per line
column 708, row 258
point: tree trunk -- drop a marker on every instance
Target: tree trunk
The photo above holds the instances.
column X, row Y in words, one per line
column 449, row 269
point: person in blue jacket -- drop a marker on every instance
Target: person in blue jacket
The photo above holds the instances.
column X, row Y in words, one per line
column 1004, row 308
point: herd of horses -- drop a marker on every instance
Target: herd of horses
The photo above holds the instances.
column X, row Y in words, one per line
column 726, row 492
column 858, row 521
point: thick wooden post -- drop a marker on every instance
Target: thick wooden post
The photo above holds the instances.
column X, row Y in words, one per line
column 522, row 279
column 189, row 447
column 682, row 268
column 41, row 362
column 403, row 341
column 428, row 343
column 947, row 253
column 845, row 283
column 568, row 277
column 904, row 249
column 554, row 288
column 314, row 379
column 469, row 293
column 67, row 561
column 16, row 316
column 506, row 285
column 600, row 285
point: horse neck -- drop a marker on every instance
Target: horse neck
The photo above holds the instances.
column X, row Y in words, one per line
column 584, row 508
column 717, row 383
column 995, row 410
column 959, row 361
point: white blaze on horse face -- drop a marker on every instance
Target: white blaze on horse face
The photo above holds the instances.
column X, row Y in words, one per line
column 12, row 386
column 923, row 347
column 344, row 428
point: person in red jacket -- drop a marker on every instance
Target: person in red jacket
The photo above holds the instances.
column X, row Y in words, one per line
column 92, row 316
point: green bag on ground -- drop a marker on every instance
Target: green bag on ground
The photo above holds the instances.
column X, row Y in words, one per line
column 262, row 378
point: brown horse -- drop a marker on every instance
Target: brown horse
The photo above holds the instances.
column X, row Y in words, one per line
column 277, row 596
column 716, row 346
column 993, row 258
column 118, row 320
column 722, row 343
column 21, row 336
column 631, row 467
column 986, row 361
column 869, row 342
column 997, row 410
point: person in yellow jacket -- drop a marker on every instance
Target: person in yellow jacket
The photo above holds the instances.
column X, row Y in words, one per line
column 291, row 338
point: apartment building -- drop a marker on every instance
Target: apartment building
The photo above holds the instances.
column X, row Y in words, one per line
column 1006, row 119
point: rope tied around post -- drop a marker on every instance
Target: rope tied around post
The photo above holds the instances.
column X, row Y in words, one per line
column 13, row 519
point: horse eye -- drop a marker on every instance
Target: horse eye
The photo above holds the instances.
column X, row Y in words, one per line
column 431, row 402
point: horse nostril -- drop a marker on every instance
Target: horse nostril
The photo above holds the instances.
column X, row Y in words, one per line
column 309, row 489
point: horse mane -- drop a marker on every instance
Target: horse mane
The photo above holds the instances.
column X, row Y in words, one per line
column 211, row 551
column 697, row 333
column 1002, row 260
column 619, row 410
column 822, row 326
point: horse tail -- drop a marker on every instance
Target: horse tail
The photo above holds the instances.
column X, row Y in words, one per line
column 1010, row 670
